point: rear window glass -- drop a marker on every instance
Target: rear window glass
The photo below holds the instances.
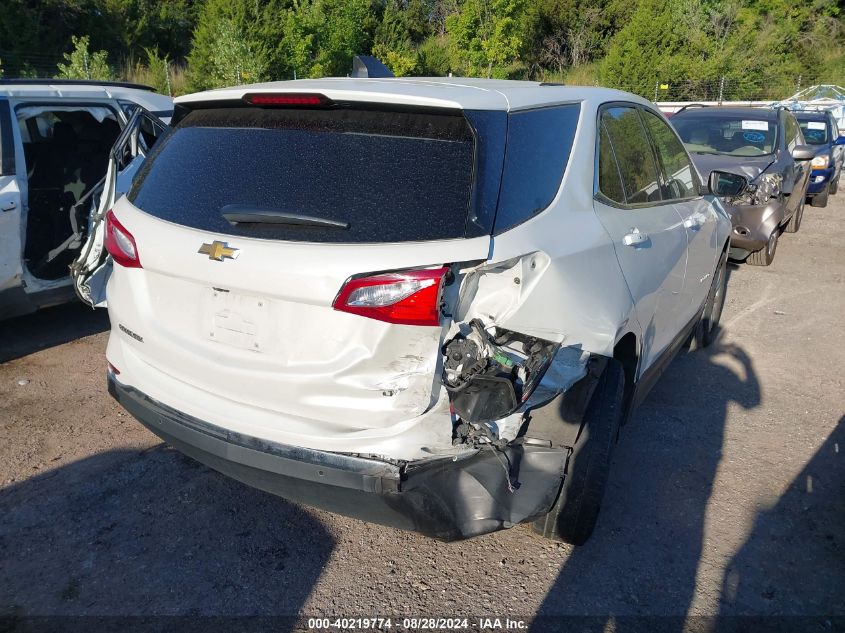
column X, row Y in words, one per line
column 537, row 152
column 386, row 176
column 815, row 132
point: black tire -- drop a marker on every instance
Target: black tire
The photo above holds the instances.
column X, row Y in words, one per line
column 574, row 514
column 766, row 255
column 820, row 199
column 795, row 221
column 707, row 329
column 834, row 186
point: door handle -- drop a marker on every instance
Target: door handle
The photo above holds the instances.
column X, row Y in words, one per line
column 8, row 205
column 692, row 223
column 634, row 238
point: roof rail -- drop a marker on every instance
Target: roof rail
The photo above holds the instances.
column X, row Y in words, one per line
column 691, row 105
column 74, row 82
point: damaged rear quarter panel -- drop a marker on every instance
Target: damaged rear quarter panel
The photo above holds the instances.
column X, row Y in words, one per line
column 570, row 288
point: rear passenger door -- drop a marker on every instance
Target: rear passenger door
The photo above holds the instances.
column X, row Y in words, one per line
column 92, row 268
column 648, row 232
column 679, row 184
column 10, row 206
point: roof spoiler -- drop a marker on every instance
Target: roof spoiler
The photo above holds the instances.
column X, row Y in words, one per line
column 368, row 67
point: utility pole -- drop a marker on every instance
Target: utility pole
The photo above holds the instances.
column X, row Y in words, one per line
column 85, row 64
column 656, row 87
column 721, row 88
column 167, row 77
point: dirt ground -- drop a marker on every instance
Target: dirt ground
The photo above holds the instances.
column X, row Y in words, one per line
column 727, row 495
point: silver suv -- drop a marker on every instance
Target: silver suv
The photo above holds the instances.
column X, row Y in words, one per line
column 423, row 302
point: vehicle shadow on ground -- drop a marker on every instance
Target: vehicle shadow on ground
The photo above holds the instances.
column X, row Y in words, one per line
column 801, row 536
column 154, row 533
column 49, row 327
column 643, row 558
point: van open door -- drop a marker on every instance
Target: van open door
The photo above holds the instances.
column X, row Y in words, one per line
column 12, row 292
column 91, row 270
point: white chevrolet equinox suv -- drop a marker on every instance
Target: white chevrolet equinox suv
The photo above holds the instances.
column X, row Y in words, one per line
column 427, row 303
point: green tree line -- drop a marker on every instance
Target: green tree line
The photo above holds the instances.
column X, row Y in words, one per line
column 636, row 45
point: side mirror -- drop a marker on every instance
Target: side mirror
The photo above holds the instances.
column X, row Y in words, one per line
column 803, row 152
column 839, row 141
column 724, row 184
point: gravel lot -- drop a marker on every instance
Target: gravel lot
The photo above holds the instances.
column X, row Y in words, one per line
column 727, row 494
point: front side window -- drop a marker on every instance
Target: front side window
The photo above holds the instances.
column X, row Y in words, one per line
column 793, row 132
column 672, row 157
column 633, row 154
column 724, row 133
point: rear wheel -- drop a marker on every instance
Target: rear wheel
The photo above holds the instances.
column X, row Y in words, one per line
column 707, row 329
column 820, row 199
column 834, row 186
column 766, row 255
column 574, row 514
column 795, row 221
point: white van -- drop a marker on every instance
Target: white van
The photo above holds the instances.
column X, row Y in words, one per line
column 55, row 143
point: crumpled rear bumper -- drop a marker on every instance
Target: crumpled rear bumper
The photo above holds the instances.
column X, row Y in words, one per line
column 447, row 498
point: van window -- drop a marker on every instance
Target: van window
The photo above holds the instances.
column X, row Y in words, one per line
column 537, row 152
column 391, row 176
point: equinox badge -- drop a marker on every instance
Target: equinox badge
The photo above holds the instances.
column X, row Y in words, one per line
column 219, row 251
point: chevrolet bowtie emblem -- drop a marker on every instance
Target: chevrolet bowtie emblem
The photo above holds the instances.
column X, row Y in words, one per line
column 219, row 251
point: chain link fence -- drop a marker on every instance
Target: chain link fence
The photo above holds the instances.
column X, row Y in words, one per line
column 725, row 89
column 30, row 65
column 688, row 90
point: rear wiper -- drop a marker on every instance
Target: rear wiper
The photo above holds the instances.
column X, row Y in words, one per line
column 244, row 214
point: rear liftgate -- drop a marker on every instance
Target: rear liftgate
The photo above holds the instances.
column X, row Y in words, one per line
column 517, row 403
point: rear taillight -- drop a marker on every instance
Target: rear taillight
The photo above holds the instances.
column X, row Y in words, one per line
column 120, row 244
column 410, row 297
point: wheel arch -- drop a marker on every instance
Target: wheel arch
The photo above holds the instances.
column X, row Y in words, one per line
column 627, row 352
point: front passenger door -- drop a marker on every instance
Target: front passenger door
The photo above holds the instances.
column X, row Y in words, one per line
column 797, row 174
column 647, row 232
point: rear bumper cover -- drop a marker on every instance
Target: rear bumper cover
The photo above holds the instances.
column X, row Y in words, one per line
column 447, row 498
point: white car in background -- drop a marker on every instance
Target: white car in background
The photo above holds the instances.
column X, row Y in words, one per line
column 55, row 140
column 428, row 303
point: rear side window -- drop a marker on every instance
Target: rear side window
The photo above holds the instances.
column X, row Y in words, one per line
column 386, row 176
column 674, row 162
column 633, row 154
column 610, row 184
column 537, row 152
